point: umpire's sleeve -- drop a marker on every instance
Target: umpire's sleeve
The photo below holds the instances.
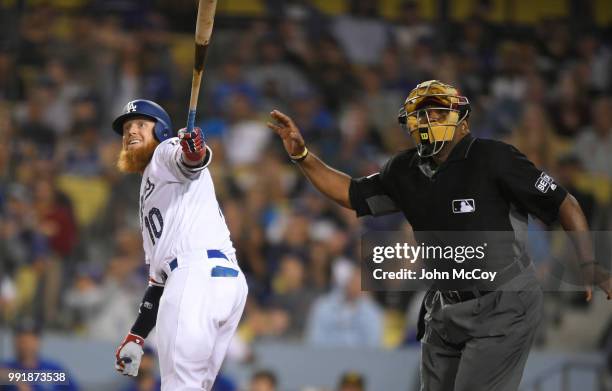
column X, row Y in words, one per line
column 368, row 196
column 527, row 186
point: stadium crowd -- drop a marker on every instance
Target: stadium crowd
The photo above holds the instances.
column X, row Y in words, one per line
column 70, row 242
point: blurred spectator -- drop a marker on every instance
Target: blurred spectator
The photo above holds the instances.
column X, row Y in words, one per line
column 328, row 70
column 247, row 137
column 11, row 82
column 8, row 295
column 569, row 104
column 395, row 78
column 27, row 339
column 85, row 112
column 56, row 222
column 250, row 244
column 294, row 241
column 126, row 82
column 292, row 294
column 320, row 266
column 346, row 317
column 594, row 144
column 34, row 38
column 476, row 47
column 509, row 81
column 314, row 120
column 224, row 383
column 263, row 380
column 382, row 104
column 15, row 243
column 598, row 60
column 104, row 307
column 361, row 33
column 351, row 381
column 535, row 138
column 410, row 27
column 359, row 138
column 232, row 83
column 32, row 118
column 81, row 156
column 569, row 170
column 27, row 255
column 157, row 70
column 276, row 79
column 554, row 41
column 84, row 298
column 109, row 304
column 65, row 90
column 55, row 218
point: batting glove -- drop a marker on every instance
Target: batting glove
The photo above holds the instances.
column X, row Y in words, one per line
column 129, row 354
column 194, row 147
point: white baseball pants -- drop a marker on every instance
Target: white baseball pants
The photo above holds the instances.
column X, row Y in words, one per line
column 197, row 318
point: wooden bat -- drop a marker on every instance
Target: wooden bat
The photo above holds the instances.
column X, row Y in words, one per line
column 203, row 31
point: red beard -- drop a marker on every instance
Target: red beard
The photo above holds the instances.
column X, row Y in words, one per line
column 135, row 161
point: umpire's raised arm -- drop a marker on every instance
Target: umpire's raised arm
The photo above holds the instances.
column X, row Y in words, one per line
column 332, row 183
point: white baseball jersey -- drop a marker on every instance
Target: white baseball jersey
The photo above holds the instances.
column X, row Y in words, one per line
column 179, row 212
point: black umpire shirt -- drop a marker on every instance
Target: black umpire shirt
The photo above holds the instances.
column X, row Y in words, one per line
column 484, row 185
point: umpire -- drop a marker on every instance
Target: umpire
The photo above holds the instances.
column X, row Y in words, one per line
column 475, row 339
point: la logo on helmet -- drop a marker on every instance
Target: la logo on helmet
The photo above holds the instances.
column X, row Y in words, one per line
column 130, row 107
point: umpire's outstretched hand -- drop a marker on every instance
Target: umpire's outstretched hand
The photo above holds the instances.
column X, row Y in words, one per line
column 288, row 132
column 332, row 183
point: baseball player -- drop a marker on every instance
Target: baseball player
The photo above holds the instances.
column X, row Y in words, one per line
column 477, row 338
column 196, row 292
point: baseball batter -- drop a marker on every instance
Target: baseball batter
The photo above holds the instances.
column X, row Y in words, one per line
column 196, row 291
column 476, row 339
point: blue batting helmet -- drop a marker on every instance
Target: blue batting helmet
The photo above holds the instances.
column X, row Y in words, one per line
column 142, row 107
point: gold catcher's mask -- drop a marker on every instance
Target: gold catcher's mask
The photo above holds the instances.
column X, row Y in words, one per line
column 431, row 113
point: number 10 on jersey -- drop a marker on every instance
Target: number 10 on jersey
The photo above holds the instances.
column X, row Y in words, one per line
column 154, row 223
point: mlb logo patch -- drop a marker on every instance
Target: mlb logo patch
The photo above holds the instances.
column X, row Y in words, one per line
column 545, row 182
column 464, row 206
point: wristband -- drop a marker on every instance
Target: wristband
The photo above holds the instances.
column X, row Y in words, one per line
column 300, row 157
column 131, row 337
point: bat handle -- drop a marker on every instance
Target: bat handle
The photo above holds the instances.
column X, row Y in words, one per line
column 191, row 120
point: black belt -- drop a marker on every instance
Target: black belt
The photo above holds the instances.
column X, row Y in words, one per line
column 505, row 275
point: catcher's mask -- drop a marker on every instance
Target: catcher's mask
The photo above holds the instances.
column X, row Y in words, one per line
column 431, row 113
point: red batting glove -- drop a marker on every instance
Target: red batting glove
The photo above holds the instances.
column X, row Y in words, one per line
column 129, row 354
column 194, row 147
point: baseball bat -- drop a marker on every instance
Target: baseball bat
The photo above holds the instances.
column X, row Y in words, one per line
column 203, row 31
